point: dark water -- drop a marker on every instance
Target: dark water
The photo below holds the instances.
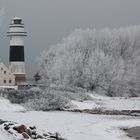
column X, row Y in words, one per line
column 134, row 132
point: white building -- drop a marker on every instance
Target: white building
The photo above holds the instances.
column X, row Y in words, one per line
column 6, row 77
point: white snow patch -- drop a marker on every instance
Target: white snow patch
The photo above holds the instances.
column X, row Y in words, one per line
column 121, row 103
column 4, row 135
column 5, row 105
column 84, row 104
column 109, row 103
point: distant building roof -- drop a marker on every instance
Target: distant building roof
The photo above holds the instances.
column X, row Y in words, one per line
column 38, row 76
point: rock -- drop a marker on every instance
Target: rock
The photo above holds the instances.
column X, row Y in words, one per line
column 28, row 131
column 20, row 129
column 10, row 132
column 53, row 137
column 10, row 124
column 34, row 134
column 45, row 135
column 56, row 136
column 25, row 135
column 1, row 121
column 32, row 127
column 39, row 137
column 7, row 127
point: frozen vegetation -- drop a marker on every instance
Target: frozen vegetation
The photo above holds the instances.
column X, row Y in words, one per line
column 48, row 99
column 106, row 61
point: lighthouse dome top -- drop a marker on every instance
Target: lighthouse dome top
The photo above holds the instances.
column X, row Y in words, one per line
column 16, row 20
column 16, row 27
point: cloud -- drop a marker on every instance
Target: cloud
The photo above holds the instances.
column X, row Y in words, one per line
column 2, row 14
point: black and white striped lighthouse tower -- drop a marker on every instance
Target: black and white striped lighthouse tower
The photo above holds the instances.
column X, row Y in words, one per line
column 16, row 58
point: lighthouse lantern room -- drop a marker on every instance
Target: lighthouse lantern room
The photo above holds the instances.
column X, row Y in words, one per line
column 16, row 56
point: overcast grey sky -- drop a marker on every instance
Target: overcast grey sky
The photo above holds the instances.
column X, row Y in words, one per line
column 48, row 21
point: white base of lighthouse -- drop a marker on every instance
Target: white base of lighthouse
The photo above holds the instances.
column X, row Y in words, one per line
column 18, row 69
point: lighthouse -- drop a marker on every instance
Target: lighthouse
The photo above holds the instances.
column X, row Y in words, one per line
column 17, row 34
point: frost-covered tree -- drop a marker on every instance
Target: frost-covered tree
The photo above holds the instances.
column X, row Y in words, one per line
column 106, row 61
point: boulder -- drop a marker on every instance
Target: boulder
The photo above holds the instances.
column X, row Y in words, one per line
column 25, row 135
column 1, row 121
column 20, row 129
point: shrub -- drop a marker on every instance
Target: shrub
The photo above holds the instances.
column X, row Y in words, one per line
column 48, row 101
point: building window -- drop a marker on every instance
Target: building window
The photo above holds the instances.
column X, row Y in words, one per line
column 4, row 72
column 4, row 81
column 10, row 81
column 1, row 68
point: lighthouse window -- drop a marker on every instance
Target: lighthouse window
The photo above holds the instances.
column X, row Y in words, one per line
column 17, row 21
column 16, row 53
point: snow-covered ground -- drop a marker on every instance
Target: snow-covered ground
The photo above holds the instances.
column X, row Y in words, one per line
column 5, row 105
column 73, row 126
column 109, row 103
column 76, row 126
